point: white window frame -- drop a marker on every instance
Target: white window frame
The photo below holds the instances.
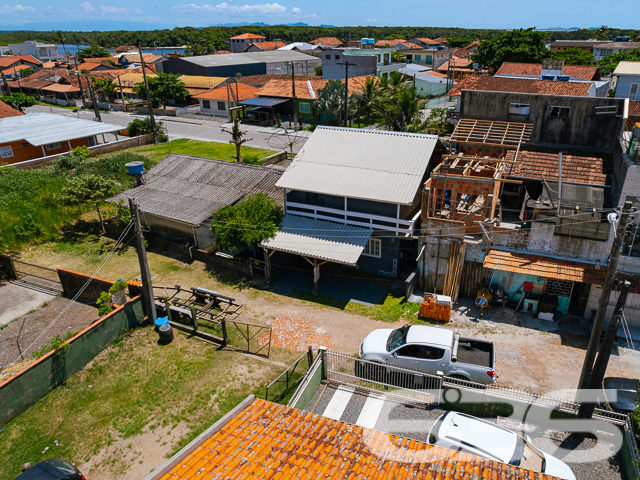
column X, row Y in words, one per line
column 519, row 108
column 6, row 151
column 306, row 109
column 373, row 248
column 631, row 90
column 52, row 146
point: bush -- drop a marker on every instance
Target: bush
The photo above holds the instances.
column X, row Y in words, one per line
column 67, row 162
column 56, row 343
column 104, row 304
column 27, row 229
column 143, row 127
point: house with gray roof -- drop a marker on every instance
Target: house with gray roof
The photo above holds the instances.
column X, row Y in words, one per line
column 352, row 197
column 181, row 194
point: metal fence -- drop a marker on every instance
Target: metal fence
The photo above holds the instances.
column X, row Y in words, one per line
column 291, row 377
column 43, row 278
column 632, row 444
column 399, row 382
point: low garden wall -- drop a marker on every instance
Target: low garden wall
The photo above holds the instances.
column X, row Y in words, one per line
column 20, row 391
column 73, row 282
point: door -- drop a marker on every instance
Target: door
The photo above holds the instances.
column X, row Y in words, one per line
column 424, row 358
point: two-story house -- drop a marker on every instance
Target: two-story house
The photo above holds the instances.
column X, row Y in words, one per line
column 45, row 52
column 352, row 197
column 362, row 61
column 627, row 80
column 239, row 43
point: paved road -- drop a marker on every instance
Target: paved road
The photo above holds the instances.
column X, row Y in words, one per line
column 177, row 127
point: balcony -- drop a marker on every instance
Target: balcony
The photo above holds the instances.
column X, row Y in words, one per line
column 376, row 222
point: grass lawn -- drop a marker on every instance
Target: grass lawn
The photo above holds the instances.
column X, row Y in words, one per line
column 131, row 391
column 221, row 151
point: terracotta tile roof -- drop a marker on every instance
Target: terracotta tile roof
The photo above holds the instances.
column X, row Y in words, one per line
column 585, row 72
column 326, row 41
column 7, row 111
column 18, row 59
column 244, row 92
column 412, row 45
column 441, row 40
column 634, row 109
column 222, row 52
column 132, row 79
column 546, row 267
column 282, row 87
column 89, row 66
column 12, row 70
column 135, row 57
column 436, row 74
column 247, row 36
column 455, row 62
column 50, row 65
column 28, row 82
column 428, row 41
column 267, row 440
column 589, row 170
column 391, row 43
column 101, row 59
column 521, row 85
column 260, row 80
column 125, row 48
column 57, row 87
column 464, row 52
column 268, row 45
column 200, row 81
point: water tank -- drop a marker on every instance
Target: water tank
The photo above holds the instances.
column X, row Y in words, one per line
column 364, row 41
column 135, row 168
column 371, row 41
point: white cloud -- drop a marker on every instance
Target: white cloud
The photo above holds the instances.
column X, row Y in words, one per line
column 234, row 10
column 138, row 11
column 17, row 8
column 112, row 9
column 88, row 6
column 372, row 20
column 296, row 11
column 312, row 15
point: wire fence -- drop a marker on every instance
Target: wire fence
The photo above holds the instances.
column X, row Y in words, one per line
column 278, row 389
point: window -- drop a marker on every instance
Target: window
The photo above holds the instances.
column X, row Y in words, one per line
column 222, row 106
column 6, row 152
column 304, row 107
column 418, row 57
column 559, row 112
column 337, row 57
column 633, row 93
column 52, row 146
column 430, row 353
column 206, row 104
column 328, row 57
column 373, row 248
column 519, row 109
column 412, row 351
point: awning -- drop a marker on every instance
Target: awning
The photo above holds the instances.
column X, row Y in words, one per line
column 264, row 101
column 545, row 267
column 319, row 239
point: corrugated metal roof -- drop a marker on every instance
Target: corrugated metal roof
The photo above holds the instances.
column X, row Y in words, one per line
column 44, row 128
column 358, row 163
column 191, row 189
column 245, row 58
column 319, row 239
column 263, row 101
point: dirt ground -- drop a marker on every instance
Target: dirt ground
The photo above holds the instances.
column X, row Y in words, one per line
column 19, row 334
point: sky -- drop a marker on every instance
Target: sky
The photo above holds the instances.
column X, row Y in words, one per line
column 459, row 13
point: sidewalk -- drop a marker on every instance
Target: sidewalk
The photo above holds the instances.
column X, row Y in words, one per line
column 268, row 130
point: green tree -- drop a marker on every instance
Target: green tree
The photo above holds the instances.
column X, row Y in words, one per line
column 402, row 111
column 608, row 64
column 93, row 51
column 163, row 87
column 24, row 73
column 105, row 85
column 522, row 45
column 573, row 56
column 143, row 127
column 19, row 101
column 249, row 222
column 398, row 56
column 603, row 33
column 437, row 123
column 369, row 98
column 237, row 137
column 459, row 42
column 330, row 101
column 60, row 38
column 87, row 189
column 318, row 71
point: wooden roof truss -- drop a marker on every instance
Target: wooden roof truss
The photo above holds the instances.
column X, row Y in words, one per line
column 490, row 133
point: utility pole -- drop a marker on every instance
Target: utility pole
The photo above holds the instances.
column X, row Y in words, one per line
column 600, row 367
column 84, row 103
column 346, row 87
column 146, row 87
column 147, row 288
column 293, row 90
column 94, row 100
column 6, row 85
column 598, row 323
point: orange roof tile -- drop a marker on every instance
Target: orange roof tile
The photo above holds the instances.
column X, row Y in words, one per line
column 268, row 45
column 326, row 41
column 61, row 88
column 412, row 45
column 436, row 74
column 428, row 41
column 88, row 66
column 544, row 267
column 247, row 36
column 391, row 43
column 8, row 111
column 267, row 440
column 521, row 85
column 441, row 40
column 222, row 52
column 585, row 72
column 455, row 62
column 282, row 87
column 12, row 70
column 244, row 92
column 18, row 59
column 101, row 59
column 464, row 52
column 589, row 170
column 125, row 48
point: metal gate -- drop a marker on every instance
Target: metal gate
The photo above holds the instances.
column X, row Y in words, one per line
column 35, row 276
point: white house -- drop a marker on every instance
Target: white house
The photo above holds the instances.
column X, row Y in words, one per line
column 216, row 101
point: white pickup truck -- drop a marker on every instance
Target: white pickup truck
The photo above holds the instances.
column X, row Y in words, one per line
column 431, row 350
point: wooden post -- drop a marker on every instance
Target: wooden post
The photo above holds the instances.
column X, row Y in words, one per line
column 316, row 276
column 267, row 265
column 310, row 355
column 194, row 318
column 225, row 337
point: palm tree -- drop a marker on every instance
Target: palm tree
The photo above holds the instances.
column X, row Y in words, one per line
column 59, row 38
column 330, row 100
column 105, row 85
column 370, row 98
column 603, row 33
column 397, row 79
column 402, row 111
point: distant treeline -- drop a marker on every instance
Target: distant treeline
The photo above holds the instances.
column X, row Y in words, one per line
column 218, row 35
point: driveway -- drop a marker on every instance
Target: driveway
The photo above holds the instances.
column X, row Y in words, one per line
column 17, row 300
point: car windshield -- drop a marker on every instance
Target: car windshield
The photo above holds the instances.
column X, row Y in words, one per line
column 397, row 338
column 527, row 456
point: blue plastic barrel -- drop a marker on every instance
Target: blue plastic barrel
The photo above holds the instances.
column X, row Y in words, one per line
column 161, row 321
column 135, row 168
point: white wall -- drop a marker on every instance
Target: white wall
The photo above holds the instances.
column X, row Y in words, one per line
column 214, row 108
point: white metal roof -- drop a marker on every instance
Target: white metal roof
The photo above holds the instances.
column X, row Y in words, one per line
column 230, row 59
column 319, row 239
column 627, row 68
column 44, row 128
column 361, row 163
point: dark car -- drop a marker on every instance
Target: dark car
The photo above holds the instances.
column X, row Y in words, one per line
column 52, row 469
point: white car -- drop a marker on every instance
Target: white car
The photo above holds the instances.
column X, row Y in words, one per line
column 464, row 433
